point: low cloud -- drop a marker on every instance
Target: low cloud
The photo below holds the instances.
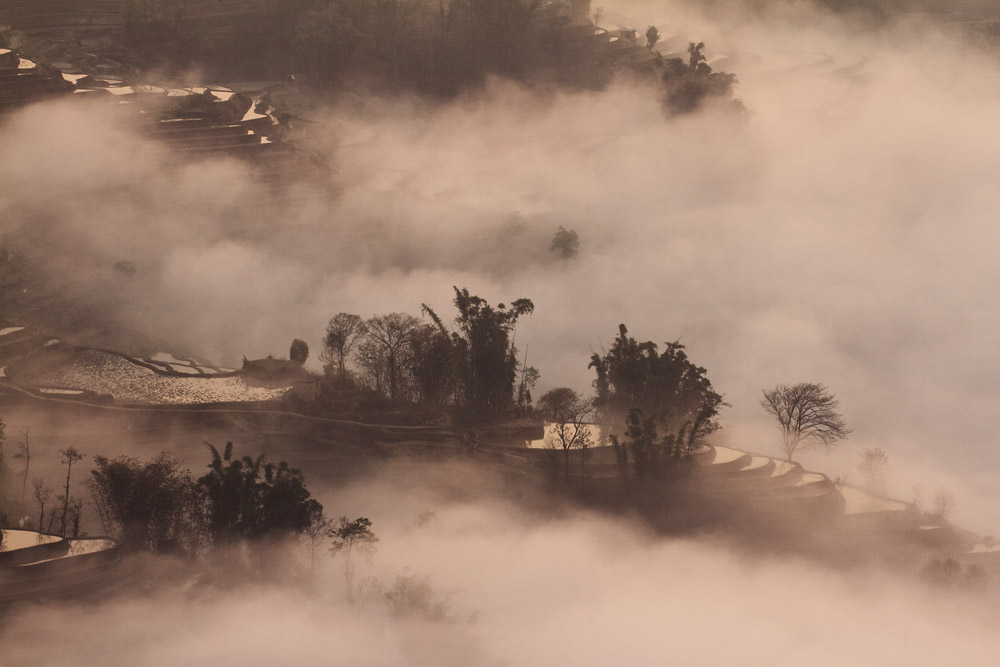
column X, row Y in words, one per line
column 522, row 586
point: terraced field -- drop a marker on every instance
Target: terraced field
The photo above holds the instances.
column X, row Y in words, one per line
column 130, row 383
column 36, row 567
column 858, row 501
column 747, row 478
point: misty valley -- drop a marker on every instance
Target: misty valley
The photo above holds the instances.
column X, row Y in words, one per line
column 499, row 332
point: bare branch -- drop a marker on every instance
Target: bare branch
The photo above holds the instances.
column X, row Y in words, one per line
column 808, row 416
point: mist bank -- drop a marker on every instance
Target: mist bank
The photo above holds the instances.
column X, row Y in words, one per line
column 472, row 580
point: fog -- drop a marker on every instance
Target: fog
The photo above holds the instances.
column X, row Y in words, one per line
column 510, row 586
column 842, row 232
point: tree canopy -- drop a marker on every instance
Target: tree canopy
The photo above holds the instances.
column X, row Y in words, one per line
column 249, row 498
column 665, row 386
column 688, row 87
column 565, row 243
column 343, row 332
column 385, row 351
column 662, row 402
column 652, row 36
column 298, row 351
column 143, row 503
column 484, row 353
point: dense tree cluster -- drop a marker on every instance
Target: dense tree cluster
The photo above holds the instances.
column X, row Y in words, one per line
column 145, row 504
column 665, row 386
column 400, row 357
column 239, row 504
column 692, row 85
column 150, row 504
column 665, row 402
column 249, row 498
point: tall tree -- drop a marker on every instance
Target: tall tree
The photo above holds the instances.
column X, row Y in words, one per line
column 69, row 456
column 484, row 348
column 42, row 494
column 224, row 486
column 248, row 498
column 286, row 505
column 433, row 364
column 143, row 503
column 348, row 537
column 316, row 532
column 390, row 340
column 343, row 332
column 529, row 378
column 641, row 441
column 667, row 387
column 808, row 416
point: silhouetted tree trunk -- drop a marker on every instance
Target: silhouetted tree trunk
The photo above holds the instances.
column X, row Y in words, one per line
column 69, row 457
column 42, row 494
column 25, row 453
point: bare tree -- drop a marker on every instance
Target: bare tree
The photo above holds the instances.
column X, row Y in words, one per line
column 918, row 497
column 808, row 416
column 391, row 337
column 342, row 333
column 569, row 415
column 944, row 503
column 69, row 456
column 874, row 466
